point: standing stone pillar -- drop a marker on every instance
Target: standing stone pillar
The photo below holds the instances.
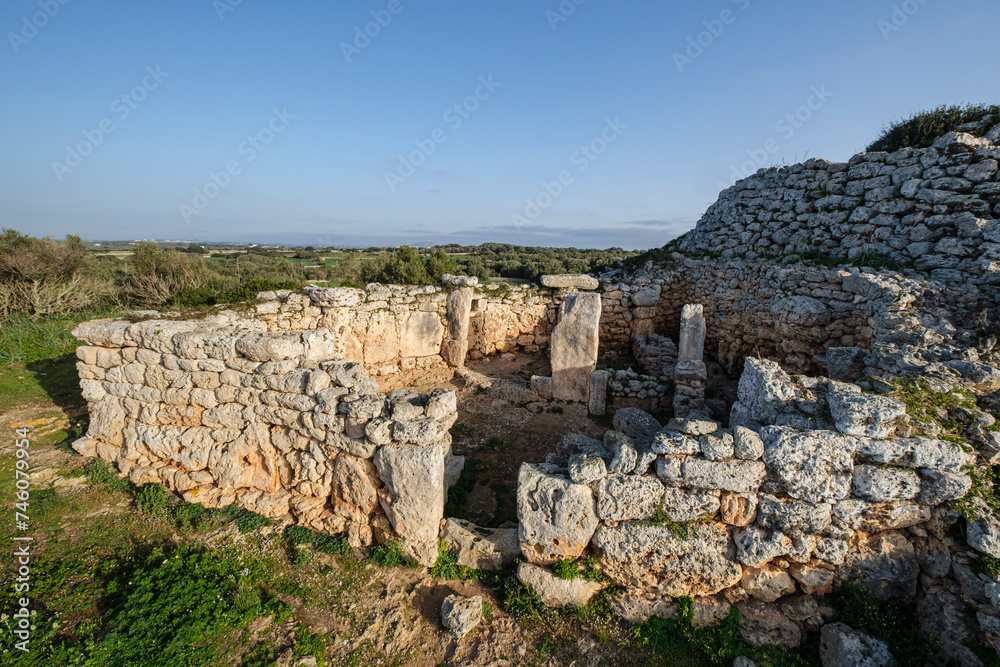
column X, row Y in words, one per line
column 691, row 344
column 690, row 374
column 574, row 346
column 457, row 345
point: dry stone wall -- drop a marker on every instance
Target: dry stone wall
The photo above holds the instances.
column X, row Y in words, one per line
column 393, row 329
column 224, row 411
column 935, row 208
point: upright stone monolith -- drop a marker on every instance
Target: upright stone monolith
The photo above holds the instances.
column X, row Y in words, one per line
column 691, row 345
column 690, row 373
column 457, row 343
column 574, row 346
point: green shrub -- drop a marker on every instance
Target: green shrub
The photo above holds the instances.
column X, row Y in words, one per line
column 519, row 600
column 334, row 545
column 677, row 641
column 307, row 643
column 298, row 534
column 100, row 473
column 167, row 609
column 391, row 555
column 923, row 129
column 246, row 521
column 223, row 292
column 194, row 516
column 446, row 566
column 152, row 498
column 566, row 569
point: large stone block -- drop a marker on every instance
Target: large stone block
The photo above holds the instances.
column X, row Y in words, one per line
column 574, row 346
column 421, row 335
column 459, row 310
column 413, row 495
column 691, row 343
column 557, row 517
column 570, row 281
column 654, row 558
column 811, row 465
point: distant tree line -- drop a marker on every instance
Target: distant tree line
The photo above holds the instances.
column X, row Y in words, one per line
column 46, row 277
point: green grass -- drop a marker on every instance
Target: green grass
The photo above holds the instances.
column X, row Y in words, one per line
column 876, row 259
column 391, row 555
column 447, row 567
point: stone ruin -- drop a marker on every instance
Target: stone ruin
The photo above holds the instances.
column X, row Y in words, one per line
column 297, row 408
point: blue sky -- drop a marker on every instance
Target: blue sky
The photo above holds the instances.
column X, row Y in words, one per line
column 252, row 121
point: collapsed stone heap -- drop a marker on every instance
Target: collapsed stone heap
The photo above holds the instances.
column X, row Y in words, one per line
column 222, row 411
column 816, row 483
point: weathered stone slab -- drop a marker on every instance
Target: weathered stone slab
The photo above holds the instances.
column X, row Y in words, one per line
column 421, row 335
column 739, row 476
column 413, row 495
column 598, row 392
column 812, row 465
column 650, row 557
column 628, row 497
column 556, row 592
column 574, row 346
column 456, row 346
column 691, row 343
column 570, row 281
column 857, row 413
column 557, row 518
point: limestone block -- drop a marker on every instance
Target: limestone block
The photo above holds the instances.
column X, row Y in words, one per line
column 812, row 465
column 598, row 392
column 654, row 558
column 574, row 346
column 421, row 335
column 557, row 518
column 413, row 495
column 691, row 343
column 556, row 592
column 570, row 281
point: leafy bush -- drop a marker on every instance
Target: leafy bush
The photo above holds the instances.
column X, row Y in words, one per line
column 165, row 609
column 334, row 545
column 221, row 291
column 151, row 498
column 717, row 644
column 194, row 516
column 391, row 555
column 566, row 569
column 446, row 566
column 923, row 129
column 100, row 473
column 307, row 643
column 247, row 521
column 298, row 534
